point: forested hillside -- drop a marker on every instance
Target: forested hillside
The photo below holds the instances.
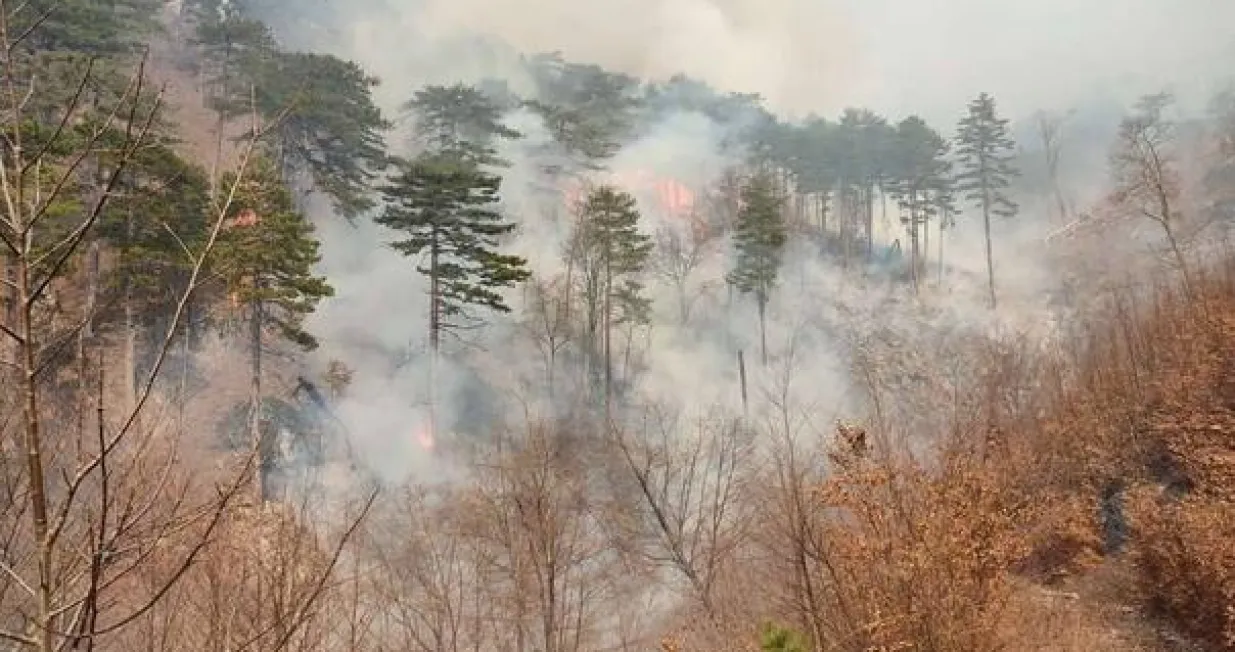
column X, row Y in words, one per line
column 556, row 358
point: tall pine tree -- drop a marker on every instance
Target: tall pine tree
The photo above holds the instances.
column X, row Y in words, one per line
column 612, row 254
column 920, row 181
column 328, row 127
column 333, row 130
column 461, row 119
column 446, row 208
column 759, row 238
column 161, row 208
column 985, row 150
column 266, row 258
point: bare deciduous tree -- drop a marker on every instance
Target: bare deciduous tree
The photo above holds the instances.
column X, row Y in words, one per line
column 105, row 521
column 1147, row 181
column 691, row 483
column 681, row 252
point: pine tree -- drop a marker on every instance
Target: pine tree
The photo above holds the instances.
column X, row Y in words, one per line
column 816, row 164
column 864, row 142
column 230, row 44
column 920, row 183
column 459, row 119
column 589, row 110
column 84, row 27
column 985, row 150
column 328, row 126
column 265, row 259
column 759, row 238
column 447, row 209
column 160, row 211
column 612, row 255
column 333, row 130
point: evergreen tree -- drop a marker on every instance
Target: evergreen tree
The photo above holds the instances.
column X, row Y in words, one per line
column 985, row 150
column 160, row 211
column 816, row 165
column 265, row 259
column 231, row 44
column 759, row 238
column 920, row 184
column 459, row 119
column 446, row 206
column 589, row 110
column 864, row 145
column 612, row 255
column 327, row 124
column 83, row 27
column 333, row 130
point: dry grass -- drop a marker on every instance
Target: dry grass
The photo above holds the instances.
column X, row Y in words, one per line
column 998, row 541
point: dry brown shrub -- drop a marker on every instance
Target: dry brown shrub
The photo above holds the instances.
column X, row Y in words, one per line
column 1185, row 563
column 919, row 557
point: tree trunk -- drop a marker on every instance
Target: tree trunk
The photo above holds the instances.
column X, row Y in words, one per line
column 435, row 330
column 942, row 220
column 1168, row 219
column 259, row 441
column 87, row 331
column 883, row 219
column 914, row 243
column 608, row 319
column 869, row 206
column 33, row 445
column 8, row 305
column 185, row 361
column 990, row 256
column 130, row 327
column 763, row 328
column 217, row 163
column 823, row 215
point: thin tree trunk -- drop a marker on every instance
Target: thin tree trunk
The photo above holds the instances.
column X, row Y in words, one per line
column 87, row 330
column 435, row 331
column 915, row 251
column 1168, row 219
column 869, row 206
column 260, row 443
column 942, row 220
column 823, row 215
column 990, row 256
column 34, row 454
column 217, row 162
column 608, row 319
column 185, row 366
column 130, row 328
column 763, row 328
column 883, row 219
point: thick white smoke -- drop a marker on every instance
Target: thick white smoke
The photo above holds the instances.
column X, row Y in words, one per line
column 802, row 56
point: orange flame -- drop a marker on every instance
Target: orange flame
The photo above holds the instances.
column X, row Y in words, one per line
column 670, row 196
column 423, row 435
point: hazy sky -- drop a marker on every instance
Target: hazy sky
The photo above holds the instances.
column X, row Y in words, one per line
column 1040, row 53
column 896, row 56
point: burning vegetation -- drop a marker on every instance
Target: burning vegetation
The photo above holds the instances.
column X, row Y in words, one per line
column 313, row 389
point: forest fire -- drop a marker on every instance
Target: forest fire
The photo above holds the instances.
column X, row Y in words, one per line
column 669, row 196
column 423, row 435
